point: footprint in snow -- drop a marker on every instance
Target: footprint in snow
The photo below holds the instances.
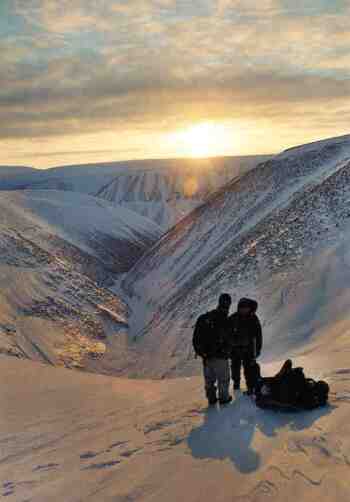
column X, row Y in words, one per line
column 89, row 454
column 129, row 453
column 46, row 467
column 9, row 488
column 103, row 465
column 116, row 445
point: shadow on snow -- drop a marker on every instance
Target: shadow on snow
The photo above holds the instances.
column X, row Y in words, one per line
column 228, row 432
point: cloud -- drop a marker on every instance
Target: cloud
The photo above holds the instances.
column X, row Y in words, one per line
column 97, row 65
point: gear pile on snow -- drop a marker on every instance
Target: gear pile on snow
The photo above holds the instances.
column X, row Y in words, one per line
column 291, row 390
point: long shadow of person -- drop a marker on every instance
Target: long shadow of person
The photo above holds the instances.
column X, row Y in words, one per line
column 229, row 432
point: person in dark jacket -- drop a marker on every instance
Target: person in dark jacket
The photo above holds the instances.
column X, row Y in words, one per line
column 211, row 342
column 246, row 340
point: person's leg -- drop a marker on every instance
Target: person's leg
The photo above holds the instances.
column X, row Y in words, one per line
column 236, row 364
column 223, row 376
column 210, row 380
column 249, row 373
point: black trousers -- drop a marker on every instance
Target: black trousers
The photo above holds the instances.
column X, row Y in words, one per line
column 241, row 359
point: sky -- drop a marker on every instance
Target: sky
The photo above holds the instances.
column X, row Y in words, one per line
column 101, row 80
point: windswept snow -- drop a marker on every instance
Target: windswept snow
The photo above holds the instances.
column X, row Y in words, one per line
column 77, row 437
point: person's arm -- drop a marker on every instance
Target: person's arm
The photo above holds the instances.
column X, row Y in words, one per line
column 195, row 339
column 258, row 338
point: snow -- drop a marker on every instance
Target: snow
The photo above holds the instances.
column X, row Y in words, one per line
column 102, row 438
column 168, row 193
column 58, row 253
column 82, row 220
column 162, row 190
column 280, row 233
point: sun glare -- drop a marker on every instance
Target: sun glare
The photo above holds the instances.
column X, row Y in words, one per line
column 203, row 140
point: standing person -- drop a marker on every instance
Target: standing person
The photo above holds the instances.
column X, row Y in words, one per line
column 246, row 342
column 212, row 343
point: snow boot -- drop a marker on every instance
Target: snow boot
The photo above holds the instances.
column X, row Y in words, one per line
column 226, row 401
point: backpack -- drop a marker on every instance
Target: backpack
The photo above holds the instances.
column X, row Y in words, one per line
column 315, row 394
column 201, row 336
column 210, row 338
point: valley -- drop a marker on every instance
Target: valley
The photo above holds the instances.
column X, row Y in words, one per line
column 102, row 398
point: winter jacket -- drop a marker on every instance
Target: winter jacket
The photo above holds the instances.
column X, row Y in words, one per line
column 211, row 335
column 245, row 335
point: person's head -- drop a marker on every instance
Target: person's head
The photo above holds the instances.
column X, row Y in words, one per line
column 246, row 307
column 225, row 301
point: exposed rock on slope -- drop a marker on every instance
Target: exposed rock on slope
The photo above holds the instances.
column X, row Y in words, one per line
column 53, row 265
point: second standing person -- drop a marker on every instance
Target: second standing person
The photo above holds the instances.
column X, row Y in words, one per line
column 246, row 340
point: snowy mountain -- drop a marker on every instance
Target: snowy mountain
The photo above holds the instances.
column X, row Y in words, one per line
column 57, row 252
column 167, row 193
column 162, row 190
column 12, row 176
column 279, row 233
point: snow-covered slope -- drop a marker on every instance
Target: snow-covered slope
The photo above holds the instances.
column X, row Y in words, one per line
column 162, row 190
column 12, row 176
column 84, row 178
column 280, row 233
column 114, row 236
column 72, row 437
column 167, row 193
column 90, row 178
column 57, row 250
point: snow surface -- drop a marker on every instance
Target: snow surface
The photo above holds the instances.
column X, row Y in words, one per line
column 73, row 437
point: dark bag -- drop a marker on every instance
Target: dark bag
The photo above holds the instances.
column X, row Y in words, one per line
column 291, row 390
column 314, row 395
column 288, row 388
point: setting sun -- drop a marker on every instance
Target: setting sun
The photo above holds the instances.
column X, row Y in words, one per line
column 203, row 140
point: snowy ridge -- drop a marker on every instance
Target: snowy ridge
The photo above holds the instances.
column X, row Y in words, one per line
column 57, row 252
column 265, row 235
column 161, row 190
column 87, row 223
column 168, row 194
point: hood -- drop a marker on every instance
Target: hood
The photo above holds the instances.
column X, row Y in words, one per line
column 248, row 302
